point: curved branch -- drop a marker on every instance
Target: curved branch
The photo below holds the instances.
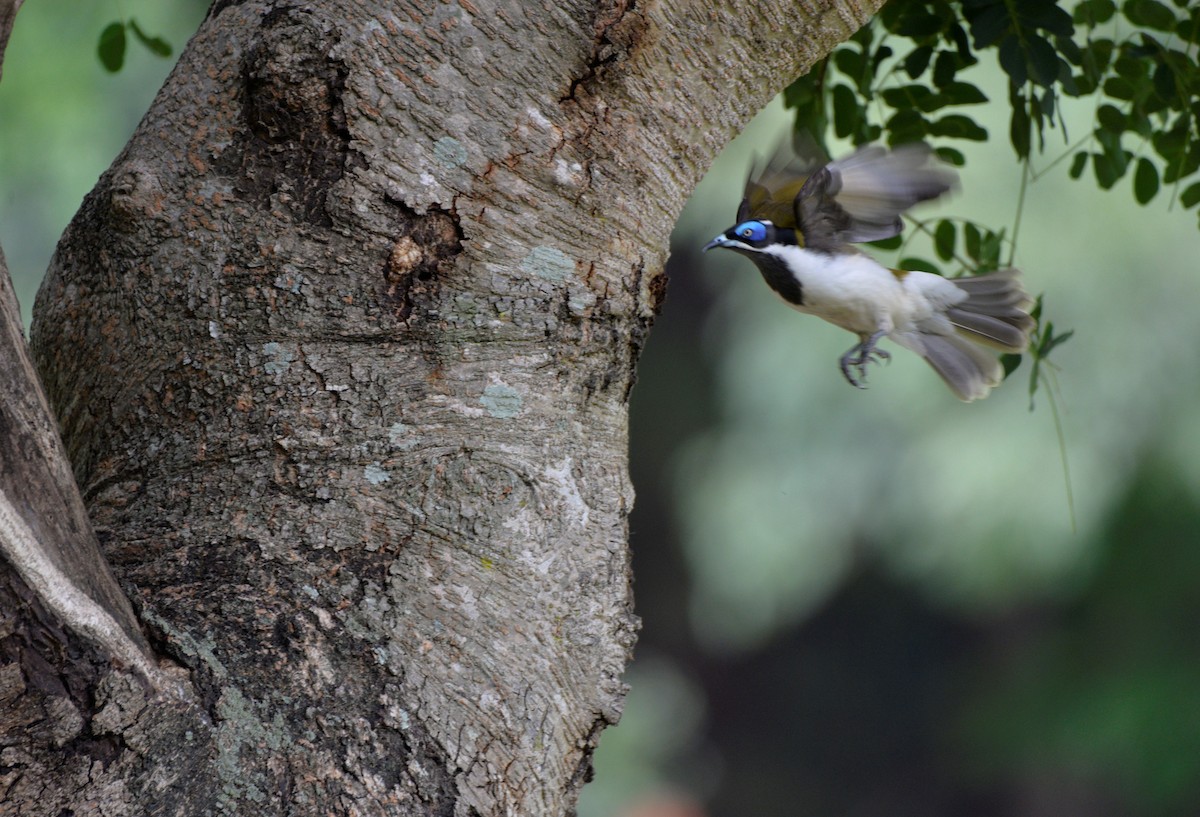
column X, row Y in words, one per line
column 44, row 531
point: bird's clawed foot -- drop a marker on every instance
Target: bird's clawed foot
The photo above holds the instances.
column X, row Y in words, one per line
column 854, row 362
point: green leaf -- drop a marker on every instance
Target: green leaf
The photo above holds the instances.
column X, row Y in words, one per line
column 918, row 23
column 962, row 44
column 1189, row 30
column 1145, row 181
column 944, row 238
column 1083, row 84
column 1149, row 46
column 1140, row 122
column 1096, row 57
column 1172, row 142
column 1049, row 341
column 906, row 126
column 1078, row 164
column 989, row 25
column 846, row 112
column 1012, row 60
column 157, row 45
column 849, row 61
column 858, row 67
column 1093, row 12
column 951, row 156
column 989, row 250
column 1189, row 165
column 1191, row 196
column 1114, row 150
column 1066, row 79
column 922, row 264
column 1131, row 67
column 1048, row 17
column 907, row 96
column 892, row 243
column 1119, row 88
column 972, row 240
column 1069, row 49
column 881, row 54
column 1046, row 104
column 963, row 93
column 1164, row 83
column 1010, row 362
column 800, row 93
column 957, row 126
column 1149, row 14
column 945, row 67
column 1043, row 61
column 1036, row 314
column 1110, row 118
column 1019, row 127
column 111, row 48
column 1107, row 173
column 918, row 60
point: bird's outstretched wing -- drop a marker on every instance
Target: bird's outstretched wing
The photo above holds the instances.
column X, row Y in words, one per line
column 771, row 189
column 858, row 198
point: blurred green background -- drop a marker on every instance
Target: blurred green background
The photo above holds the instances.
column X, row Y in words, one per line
column 63, row 118
column 854, row 603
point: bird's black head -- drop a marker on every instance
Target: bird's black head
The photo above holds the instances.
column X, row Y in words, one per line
column 750, row 237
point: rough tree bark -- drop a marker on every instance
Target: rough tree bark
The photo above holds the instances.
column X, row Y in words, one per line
column 341, row 348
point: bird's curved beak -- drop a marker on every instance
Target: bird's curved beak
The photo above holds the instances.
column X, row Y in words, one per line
column 719, row 241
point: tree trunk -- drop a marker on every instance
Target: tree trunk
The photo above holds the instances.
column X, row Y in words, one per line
column 341, row 348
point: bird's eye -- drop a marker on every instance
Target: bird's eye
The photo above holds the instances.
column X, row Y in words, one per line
column 751, row 230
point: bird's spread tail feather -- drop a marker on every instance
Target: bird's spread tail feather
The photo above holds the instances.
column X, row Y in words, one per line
column 995, row 311
column 994, row 314
column 969, row 370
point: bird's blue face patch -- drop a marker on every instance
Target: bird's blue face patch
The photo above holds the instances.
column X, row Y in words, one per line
column 750, row 231
column 746, row 237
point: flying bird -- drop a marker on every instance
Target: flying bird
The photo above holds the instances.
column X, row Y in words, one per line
column 798, row 223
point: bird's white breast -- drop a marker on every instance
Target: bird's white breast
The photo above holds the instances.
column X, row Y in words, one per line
column 857, row 293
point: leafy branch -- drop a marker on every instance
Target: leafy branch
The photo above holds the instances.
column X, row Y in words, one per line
column 899, row 80
column 113, row 40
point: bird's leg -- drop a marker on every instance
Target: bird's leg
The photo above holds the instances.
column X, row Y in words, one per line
column 859, row 356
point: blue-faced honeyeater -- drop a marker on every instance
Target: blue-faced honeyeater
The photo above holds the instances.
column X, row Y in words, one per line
column 798, row 222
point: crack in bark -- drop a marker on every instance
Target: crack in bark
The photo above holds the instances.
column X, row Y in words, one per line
column 618, row 29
